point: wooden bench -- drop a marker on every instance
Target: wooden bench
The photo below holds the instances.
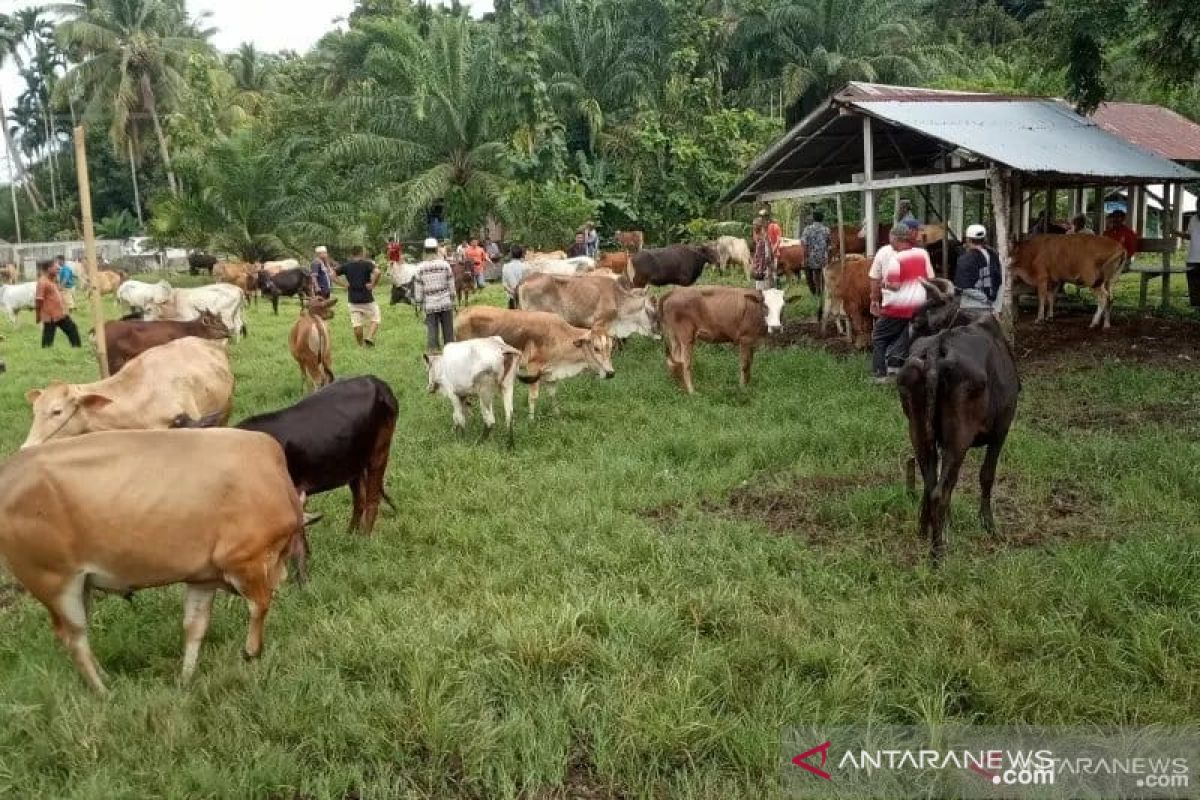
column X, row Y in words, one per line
column 1148, row 272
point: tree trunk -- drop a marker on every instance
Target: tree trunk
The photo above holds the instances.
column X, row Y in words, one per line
column 137, row 195
column 18, row 163
column 52, row 160
column 164, row 151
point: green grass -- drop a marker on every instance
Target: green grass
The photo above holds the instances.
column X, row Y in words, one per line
column 635, row 600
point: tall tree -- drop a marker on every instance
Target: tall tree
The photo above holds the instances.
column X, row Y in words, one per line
column 12, row 35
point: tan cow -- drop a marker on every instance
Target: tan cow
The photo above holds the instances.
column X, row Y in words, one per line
column 9, row 274
column 240, row 274
column 188, row 376
column 848, row 298
column 121, row 511
column 554, row 255
column 616, row 263
column 551, row 350
column 590, row 301
column 310, row 345
column 631, row 240
column 108, row 281
column 1047, row 261
column 716, row 314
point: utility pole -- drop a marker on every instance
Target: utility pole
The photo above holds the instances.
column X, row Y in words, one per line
column 89, row 247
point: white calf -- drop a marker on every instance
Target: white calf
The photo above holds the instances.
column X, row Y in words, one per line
column 139, row 295
column 13, row 298
column 476, row 368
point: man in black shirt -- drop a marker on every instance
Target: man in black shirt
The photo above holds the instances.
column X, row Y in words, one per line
column 578, row 248
column 978, row 272
column 359, row 275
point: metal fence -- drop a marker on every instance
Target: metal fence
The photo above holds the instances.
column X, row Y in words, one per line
column 108, row 251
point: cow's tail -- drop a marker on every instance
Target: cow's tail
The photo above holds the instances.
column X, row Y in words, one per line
column 1112, row 269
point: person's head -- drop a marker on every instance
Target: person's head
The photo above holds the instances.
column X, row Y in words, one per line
column 976, row 236
column 818, row 216
column 901, row 237
column 904, row 208
column 391, row 240
column 914, row 232
column 323, row 253
column 517, row 252
column 1118, row 218
column 60, row 260
column 1079, row 222
column 358, row 251
column 474, row 243
column 591, row 226
column 579, row 237
column 429, row 247
column 48, row 267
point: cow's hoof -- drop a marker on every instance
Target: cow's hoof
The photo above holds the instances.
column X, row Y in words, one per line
column 248, row 656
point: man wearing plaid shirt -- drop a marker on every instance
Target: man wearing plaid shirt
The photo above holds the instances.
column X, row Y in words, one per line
column 433, row 292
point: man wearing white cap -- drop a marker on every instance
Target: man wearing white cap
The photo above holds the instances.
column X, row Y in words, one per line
column 322, row 273
column 433, row 293
column 978, row 272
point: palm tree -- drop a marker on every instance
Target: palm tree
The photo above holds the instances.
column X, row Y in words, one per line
column 133, row 51
column 11, row 37
column 425, row 118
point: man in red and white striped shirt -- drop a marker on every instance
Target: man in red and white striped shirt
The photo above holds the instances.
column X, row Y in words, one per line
column 896, row 295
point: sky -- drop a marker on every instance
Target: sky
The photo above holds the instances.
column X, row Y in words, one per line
column 270, row 24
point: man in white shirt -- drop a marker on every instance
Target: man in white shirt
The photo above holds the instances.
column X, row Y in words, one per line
column 1192, row 234
column 513, row 273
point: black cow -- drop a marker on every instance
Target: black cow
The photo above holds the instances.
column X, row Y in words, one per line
column 679, row 264
column 340, row 435
column 201, row 262
column 935, row 255
column 959, row 390
column 287, row 283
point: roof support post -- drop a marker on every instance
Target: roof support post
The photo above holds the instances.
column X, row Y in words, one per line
column 1051, row 208
column 1099, row 210
column 868, row 179
column 1172, row 222
column 957, row 201
column 1000, row 181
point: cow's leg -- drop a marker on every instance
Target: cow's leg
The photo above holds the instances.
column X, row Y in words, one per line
column 552, row 392
column 951, row 464
column 1101, row 293
column 460, row 415
column 747, row 353
column 686, row 350
column 533, row 397
column 987, row 477
column 372, row 481
column 486, row 398
column 1042, row 290
column 69, row 611
column 506, row 397
column 356, row 500
column 257, row 592
column 197, row 609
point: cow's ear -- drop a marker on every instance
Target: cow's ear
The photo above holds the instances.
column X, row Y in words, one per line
column 32, row 396
column 333, row 302
column 93, row 401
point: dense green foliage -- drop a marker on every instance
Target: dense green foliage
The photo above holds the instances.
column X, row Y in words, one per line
column 639, row 113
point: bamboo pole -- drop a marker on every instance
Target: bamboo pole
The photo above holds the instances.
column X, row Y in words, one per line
column 1000, row 182
column 89, row 248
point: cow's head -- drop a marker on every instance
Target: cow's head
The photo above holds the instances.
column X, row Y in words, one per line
column 636, row 314
column 213, row 326
column 320, row 307
column 597, row 349
column 773, row 301
column 433, row 371
column 62, row 410
column 708, row 253
column 942, row 303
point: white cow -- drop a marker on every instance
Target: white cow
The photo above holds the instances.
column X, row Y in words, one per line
column 275, row 267
column 16, row 297
column 223, row 299
column 476, row 368
column 562, row 266
column 732, row 250
column 139, row 295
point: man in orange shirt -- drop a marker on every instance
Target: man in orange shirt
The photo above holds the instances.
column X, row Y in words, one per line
column 1121, row 233
column 774, row 238
column 476, row 255
column 49, row 307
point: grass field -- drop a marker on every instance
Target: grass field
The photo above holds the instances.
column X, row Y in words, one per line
column 636, row 599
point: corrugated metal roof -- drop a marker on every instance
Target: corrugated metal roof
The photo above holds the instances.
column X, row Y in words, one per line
column 1038, row 136
column 1159, row 130
column 860, row 90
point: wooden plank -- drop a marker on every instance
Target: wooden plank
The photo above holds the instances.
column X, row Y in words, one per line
column 869, row 193
column 960, row 176
column 1173, row 195
column 999, row 181
column 89, row 248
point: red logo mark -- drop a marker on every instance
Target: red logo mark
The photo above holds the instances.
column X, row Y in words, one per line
column 802, row 760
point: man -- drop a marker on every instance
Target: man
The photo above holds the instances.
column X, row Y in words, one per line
column 816, row 239
column 476, row 256
column 48, row 305
column 774, row 240
column 592, row 239
column 322, row 273
column 359, row 275
column 401, row 275
column 896, row 295
column 579, row 248
column 905, row 216
column 1079, row 224
column 513, row 273
column 433, row 292
column 395, row 252
column 492, row 249
column 978, row 272
column 1192, row 234
column 66, row 282
column 1121, row 233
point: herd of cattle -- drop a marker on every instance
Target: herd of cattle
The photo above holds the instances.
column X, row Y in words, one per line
column 171, row 389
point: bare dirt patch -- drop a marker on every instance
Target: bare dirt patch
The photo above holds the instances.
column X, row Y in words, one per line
column 807, row 333
column 1181, row 415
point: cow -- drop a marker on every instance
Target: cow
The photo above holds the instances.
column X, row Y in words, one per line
column 732, row 250
column 226, row 301
column 616, row 263
column 310, row 345
column 464, row 282
column 959, row 389
column 578, row 265
column 125, row 340
column 138, row 295
column 590, row 301
column 201, row 262
column 286, row 283
column 716, row 314
column 186, row 376
column 631, row 240
column 242, row 275
column 340, row 435
column 790, row 260
column 1049, row 260
column 551, row 349
column 276, row 267
column 120, row 511
column 475, row 368
column 551, row 255
column 9, row 274
column 848, row 297
column 679, row 264
column 16, row 298
column 108, row 281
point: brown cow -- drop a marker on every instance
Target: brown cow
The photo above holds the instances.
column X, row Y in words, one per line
column 211, row 509
column 616, row 263
column 9, row 274
column 716, row 314
column 464, row 282
column 631, row 240
column 310, row 345
column 240, row 274
column 551, row 350
column 125, row 340
column 590, row 301
column 848, row 296
column 791, row 260
column 1050, row 260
